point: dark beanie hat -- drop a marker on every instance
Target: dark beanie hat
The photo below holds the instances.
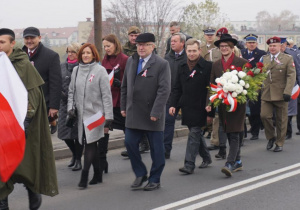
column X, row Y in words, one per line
column 145, row 37
column 7, row 31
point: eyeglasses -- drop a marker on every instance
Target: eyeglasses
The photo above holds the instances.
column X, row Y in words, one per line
column 72, row 52
column 143, row 45
column 224, row 46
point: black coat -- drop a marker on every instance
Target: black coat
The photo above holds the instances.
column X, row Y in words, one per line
column 47, row 63
column 174, row 64
column 193, row 91
column 255, row 106
column 65, row 132
column 187, row 37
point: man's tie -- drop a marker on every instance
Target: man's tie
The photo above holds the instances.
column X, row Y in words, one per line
column 140, row 66
column 176, row 55
column 250, row 55
column 31, row 54
column 273, row 59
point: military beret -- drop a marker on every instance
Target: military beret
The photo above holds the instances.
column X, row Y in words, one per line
column 145, row 37
column 221, row 31
column 134, row 30
column 251, row 38
column 209, row 31
column 273, row 40
column 31, row 31
column 7, row 31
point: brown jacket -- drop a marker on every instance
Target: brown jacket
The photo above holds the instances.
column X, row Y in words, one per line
column 281, row 77
column 205, row 51
column 215, row 54
column 231, row 121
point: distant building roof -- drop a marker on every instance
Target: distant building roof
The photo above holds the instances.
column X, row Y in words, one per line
column 51, row 33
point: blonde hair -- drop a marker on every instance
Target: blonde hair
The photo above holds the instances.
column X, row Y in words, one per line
column 74, row 46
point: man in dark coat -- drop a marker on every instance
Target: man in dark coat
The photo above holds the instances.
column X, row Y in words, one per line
column 175, row 57
column 47, row 63
column 144, row 93
column 253, row 54
column 191, row 85
column 37, row 169
column 233, row 122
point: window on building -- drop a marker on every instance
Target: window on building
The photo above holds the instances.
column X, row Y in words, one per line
column 261, row 40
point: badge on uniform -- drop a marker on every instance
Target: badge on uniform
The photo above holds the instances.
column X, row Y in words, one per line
column 193, row 73
column 277, row 61
column 145, row 73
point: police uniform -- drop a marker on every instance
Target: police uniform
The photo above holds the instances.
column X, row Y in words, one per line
column 205, row 49
column 276, row 91
column 254, row 57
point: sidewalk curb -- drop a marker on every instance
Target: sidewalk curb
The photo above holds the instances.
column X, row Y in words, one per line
column 115, row 143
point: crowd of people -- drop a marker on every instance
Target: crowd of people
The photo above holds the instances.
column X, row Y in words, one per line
column 143, row 100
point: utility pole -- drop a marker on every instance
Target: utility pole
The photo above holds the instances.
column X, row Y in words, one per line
column 98, row 26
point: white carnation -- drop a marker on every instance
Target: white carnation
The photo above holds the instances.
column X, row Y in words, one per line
column 234, row 94
column 234, row 72
column 245, row 92
column 227, row 75
column 234, row 79
column 247, row 85
column 223, row 81
column 242, row 82
column 217, row 80
column 241, row 74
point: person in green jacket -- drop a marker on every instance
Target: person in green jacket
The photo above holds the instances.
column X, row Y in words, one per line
column 37, row 170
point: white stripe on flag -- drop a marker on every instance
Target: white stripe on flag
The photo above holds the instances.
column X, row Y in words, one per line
column 13, row 89
column 93, row 118
column 111, row 77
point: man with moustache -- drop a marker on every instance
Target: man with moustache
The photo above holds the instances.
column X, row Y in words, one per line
column 194, row 74
column 253, row 55
column 46, row 61
column 276, row 93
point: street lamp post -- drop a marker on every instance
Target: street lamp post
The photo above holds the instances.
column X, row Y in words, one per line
column 98, row 26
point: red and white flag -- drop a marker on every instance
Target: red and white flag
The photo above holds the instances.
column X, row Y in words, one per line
column 111, row 77
column 13, row 110
column 94, row 121
column 295, row 92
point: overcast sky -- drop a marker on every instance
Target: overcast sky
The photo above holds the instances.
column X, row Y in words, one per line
column 61, row 13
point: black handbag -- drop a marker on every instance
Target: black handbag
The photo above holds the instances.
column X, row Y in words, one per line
column 72, row 114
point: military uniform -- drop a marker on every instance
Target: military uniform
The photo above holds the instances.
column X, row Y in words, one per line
column 280, row 80
column 129, row 49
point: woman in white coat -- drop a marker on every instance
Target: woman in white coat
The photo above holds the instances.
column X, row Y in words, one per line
column 90, row 91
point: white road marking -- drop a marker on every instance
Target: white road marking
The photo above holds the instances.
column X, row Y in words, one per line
column 240, row 191
column 226, row 188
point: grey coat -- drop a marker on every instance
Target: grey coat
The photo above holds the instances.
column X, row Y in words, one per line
column 143, row 97
column 92, row 95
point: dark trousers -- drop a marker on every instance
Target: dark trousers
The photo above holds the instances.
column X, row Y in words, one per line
column 255, row 123
column 156, row 142
column 298, row 115
column 235, row 141
column 222, row 136
column 289, row 130
column 195, row 144
column 169, row 129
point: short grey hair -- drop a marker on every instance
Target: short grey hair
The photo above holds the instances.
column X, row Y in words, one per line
column 181, row 35
column 74, row 46
column 174, row 23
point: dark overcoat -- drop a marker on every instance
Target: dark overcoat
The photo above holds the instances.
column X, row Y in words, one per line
column 231, row 121
column 145, row 95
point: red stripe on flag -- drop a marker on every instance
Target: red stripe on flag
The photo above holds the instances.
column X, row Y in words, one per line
column 12, row 141
column 296, row 94
column 96, row 123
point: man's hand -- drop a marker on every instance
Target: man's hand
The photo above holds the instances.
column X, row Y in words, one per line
column 172, row 111
column 153, row 119
column 52, row 112
column 123, row 113
column 208, row 108
column 209, row 120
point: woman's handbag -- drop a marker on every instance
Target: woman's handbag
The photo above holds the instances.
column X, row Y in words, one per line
column 72, row 114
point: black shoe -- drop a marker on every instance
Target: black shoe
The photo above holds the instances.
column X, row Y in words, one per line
column 288, row 137
column 213, row 147
column 139, row 181
column 298, row 133
column 124, row 153
column 152, row 186
column 84, row 179
column 227, row 169
column 53, row 128
column 221, row 154
column 204, row 164
column 167, row 155
column 97, row 178
column 72, row 162
column 143, row 149
column 186, row 170
column 254, row 137
column 77, row 166
column 271, row 143
column 278, row 149
column 237, row 166
column 35, row 200
column 4, row 204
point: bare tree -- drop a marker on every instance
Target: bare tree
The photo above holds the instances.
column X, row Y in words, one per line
column 149, row 15
column 284, row 21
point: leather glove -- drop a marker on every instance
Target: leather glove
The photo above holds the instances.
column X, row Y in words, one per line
column 286, row 97
column 116, row 83
column 27, row 122
column 108, row 124
column 117, row 73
